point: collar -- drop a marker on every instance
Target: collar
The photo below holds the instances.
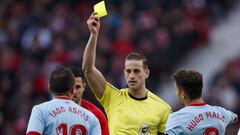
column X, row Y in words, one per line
column 63, row 97
column 197, row 104
column 136, row 98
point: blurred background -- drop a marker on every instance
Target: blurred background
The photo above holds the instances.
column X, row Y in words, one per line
column 38, row 35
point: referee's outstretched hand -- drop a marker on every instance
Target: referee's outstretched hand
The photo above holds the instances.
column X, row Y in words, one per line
column 93, row 23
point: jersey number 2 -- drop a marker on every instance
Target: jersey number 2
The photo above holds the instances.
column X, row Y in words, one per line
column 62, row 129
column 211, row 131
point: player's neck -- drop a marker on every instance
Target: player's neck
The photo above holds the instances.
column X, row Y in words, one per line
column 79, row 101
column 62, row 96
column 194, row 101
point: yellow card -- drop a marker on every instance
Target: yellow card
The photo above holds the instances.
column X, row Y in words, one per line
column 100, row 9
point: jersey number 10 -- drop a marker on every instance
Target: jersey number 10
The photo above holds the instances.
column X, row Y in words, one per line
column 211, row 131
column 62, row 129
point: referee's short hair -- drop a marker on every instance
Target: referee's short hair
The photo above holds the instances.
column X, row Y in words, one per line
column 137, row 56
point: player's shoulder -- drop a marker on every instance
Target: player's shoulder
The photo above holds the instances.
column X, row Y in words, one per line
column 181, row 114
column 182, row 111
column 214, row 108
column 89, row 106
column 176, row 119
column 220, row 109
column 41, row 108
column 87, row 110
column 158, row 100
column 42, row 105
column 84, row 102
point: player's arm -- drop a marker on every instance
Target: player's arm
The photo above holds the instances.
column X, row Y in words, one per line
column 103, row 122
column 230, row 117
column 94, row 77
column 95, row 128
column 174, row 126
column 35, row 124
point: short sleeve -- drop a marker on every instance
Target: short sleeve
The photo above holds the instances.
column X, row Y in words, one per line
column 173, row 126
column 36, row 122
column 110, row 96
column 229, row 116
column 95, row 128
column 162, row 125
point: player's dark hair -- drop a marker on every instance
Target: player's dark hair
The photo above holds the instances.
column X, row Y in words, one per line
column 61, row 80
column 78, row 72
column 189, row 81
column 137, row 56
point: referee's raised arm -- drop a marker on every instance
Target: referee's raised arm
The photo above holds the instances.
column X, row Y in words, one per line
column 93, row 76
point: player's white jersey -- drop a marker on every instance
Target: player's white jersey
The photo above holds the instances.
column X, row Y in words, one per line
column 199, row 119
column 62, row 117
column 238, row 132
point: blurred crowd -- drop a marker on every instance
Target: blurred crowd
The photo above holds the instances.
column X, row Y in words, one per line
column 224, row 88
column 38, row 35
